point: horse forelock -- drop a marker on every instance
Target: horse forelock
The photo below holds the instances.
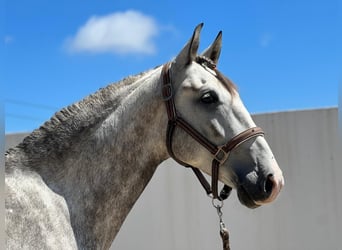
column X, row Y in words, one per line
column 227, row 83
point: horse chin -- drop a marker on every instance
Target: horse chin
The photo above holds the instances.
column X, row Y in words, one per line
column 245, row 198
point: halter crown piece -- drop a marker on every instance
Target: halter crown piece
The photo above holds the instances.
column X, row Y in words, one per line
column 220, row 153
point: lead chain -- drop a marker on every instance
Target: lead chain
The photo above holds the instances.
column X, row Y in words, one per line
column 218, row 204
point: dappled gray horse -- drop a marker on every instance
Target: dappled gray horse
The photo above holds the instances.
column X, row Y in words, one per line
column 72, row 182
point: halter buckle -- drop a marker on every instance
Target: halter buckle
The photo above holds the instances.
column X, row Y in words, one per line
column 221, row 156
column 167, row 92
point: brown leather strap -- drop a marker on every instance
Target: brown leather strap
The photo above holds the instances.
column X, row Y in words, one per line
column 214, row 178
column 205, row 184
column 242, row 137
column 212, row 148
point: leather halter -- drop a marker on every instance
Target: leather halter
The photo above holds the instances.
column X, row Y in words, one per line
column 220, row 153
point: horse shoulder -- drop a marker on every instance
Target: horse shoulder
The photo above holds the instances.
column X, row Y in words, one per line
column 36, row 217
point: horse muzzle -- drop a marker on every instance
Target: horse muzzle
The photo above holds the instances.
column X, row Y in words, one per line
column 264, row 191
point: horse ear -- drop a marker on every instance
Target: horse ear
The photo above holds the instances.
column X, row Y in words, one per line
column 214, row 50
column 189, row 52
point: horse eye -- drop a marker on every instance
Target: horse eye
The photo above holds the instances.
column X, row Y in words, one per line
column 209, row 97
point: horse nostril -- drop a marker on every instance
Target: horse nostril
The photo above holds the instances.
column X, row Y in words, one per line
column 270, row 189
column 269, row 184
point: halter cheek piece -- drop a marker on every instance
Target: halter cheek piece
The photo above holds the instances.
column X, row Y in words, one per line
column 220, row 153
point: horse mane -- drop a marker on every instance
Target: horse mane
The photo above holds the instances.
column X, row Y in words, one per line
column 77, row 118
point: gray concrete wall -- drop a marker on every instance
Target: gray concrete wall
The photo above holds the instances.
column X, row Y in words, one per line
column 174, row 213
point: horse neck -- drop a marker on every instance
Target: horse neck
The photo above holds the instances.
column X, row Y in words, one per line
column 107, row 168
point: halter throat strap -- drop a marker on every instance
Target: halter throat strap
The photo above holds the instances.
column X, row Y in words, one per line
column 220, row 153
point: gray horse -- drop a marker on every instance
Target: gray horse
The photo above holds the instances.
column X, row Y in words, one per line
column 71, row 183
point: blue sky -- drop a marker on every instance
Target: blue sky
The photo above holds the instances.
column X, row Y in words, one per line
column 282, row 54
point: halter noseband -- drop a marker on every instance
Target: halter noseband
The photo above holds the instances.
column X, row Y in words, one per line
column 220, row 153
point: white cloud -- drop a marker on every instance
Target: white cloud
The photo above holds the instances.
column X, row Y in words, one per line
column 119, row 32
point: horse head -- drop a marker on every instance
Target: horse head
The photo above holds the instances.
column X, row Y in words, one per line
column 210, row 103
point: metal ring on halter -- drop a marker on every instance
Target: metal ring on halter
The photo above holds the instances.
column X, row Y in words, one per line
column 217, row 203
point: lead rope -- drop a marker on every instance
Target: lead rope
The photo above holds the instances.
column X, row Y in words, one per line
column 218, row 204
